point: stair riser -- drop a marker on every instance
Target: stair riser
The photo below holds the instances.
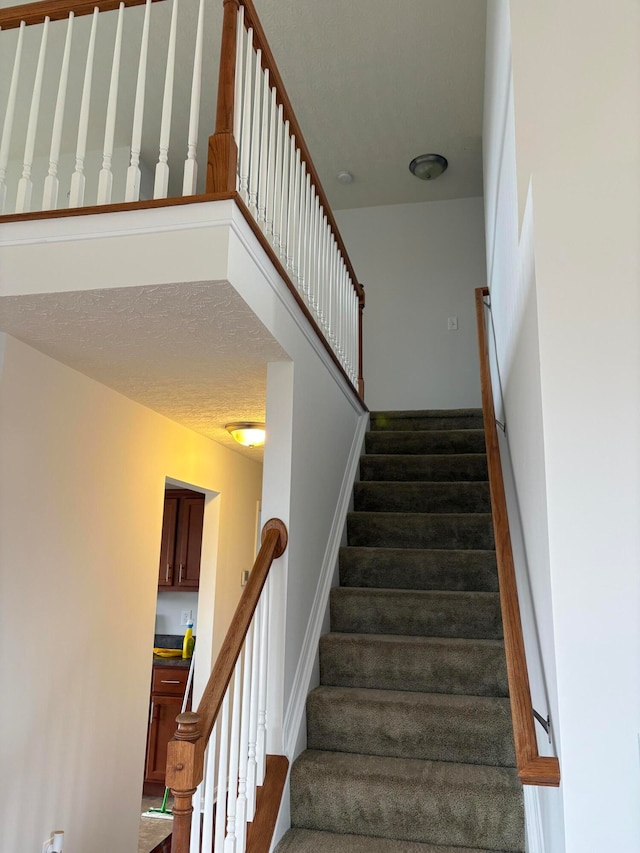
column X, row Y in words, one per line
column 399, row 421
column 436, row 728
column 423, row 806
column 398, row 568
column 435, row 441
column 446, row 467
column 421, row 497
column 420, row 614
column 472, row 668
column 407, row 530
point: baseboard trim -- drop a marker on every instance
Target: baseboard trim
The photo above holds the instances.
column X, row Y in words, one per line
column 533, row 819
column 299, row 690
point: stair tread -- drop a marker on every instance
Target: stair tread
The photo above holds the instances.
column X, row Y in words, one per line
column 422, row 496
column 425, row 467
column 433, row 802
column 442, row 613
column 314, row 841
column 418, row 568
column 471, row 667
column 436, row 726
column 450, row 441
column 421, row 529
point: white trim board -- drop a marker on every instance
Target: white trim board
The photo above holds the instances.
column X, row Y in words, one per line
column 309, row 650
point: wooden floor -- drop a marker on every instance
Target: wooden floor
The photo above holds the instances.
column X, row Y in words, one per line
column 153, row 831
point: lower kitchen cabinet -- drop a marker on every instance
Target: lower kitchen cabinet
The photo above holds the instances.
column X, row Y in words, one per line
column 167, row 689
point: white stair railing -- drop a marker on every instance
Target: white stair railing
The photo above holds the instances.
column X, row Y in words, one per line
column 131, row 164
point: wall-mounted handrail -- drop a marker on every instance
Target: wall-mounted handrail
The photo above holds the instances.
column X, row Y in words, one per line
column 186, row 752
column 533, row 769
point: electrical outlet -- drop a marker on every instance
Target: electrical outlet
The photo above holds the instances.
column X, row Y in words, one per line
column 185, row 619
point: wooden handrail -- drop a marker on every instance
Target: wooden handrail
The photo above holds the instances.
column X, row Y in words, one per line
column 56, row 10
column 533, row 769
column 274, row 543
column 185, row 753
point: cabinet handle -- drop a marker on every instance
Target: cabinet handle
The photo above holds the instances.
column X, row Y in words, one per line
column 166, row 577
column 169, row 682
column 180, row 574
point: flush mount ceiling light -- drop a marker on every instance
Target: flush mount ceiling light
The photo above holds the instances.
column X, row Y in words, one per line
column 247, row 433
column 345, row 177
column 428, row 167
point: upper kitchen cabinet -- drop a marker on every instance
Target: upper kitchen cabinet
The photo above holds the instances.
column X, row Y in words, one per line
column 181, row 543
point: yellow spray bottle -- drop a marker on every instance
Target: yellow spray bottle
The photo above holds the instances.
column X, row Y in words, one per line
column 188, row 642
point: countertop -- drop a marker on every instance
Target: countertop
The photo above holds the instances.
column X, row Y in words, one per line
column 179, row 663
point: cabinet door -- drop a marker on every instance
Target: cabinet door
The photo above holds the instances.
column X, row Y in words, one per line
column 168, row 542
column 162, row 727
column 189, row 543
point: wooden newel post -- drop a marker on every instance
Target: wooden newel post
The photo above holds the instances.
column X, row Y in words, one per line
column 222, row 163
column 361, row 303
column 185, row 763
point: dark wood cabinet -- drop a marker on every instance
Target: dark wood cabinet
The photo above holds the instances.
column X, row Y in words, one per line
column 167, row 689
column 181, row 543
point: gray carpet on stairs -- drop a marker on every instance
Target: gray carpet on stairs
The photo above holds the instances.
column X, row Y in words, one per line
column 410, row 746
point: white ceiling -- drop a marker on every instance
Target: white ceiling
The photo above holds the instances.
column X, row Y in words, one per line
column 373, row 84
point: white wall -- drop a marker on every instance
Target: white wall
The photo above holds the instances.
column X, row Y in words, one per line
column 575, row 75
column 419, row 264
column 82, row 478
column 511, row 276
column 169, row 608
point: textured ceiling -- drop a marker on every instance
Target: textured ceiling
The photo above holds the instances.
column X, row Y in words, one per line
column 193, row 352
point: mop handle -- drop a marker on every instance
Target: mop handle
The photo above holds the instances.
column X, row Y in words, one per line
column 188, row 687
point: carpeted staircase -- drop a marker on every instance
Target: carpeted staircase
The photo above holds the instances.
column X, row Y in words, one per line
column 410, row 748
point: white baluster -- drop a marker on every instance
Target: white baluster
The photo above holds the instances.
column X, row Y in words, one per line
column 196, row 801
column 264, row 155
column 25, row 185
column 232, row 792
column 132, row 189
column 9, row 116
column 241, row 807
column 284, row 193
column 261, row 740
column 76, row 195
column 190, row 177
column 244, row 157
column 302, row 240
column 253, row 714
column 322, row 288
column 313, row 253
column 237, row 94
column 255, row 137
column 105, row 181
column 161, row 185
column 223, row 765
column 51, row 182
column 271, row 166
column 291, row 202
column 277, row 182
column 295, row 232
column 209, row 798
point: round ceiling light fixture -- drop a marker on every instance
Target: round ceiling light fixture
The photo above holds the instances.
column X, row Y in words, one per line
column 345, row 177
column 428, row 167
column 249, row 434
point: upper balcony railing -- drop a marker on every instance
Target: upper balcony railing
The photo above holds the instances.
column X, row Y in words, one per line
column 108, row 105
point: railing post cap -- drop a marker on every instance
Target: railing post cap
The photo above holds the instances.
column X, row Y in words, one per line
column 189, row 726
